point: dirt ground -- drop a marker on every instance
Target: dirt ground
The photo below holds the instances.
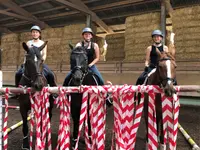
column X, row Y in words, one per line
column 189, row 118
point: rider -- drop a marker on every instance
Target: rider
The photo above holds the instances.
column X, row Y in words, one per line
column 36, row 41
column 93, row 52
column 151, row 55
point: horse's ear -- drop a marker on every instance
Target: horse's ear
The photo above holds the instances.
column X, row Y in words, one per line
column 25, row 46
column 71, row 47
column 43, row 45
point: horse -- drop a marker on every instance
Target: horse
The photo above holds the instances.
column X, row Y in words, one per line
column 32, row 77
column 164, row 76
column 80, row 75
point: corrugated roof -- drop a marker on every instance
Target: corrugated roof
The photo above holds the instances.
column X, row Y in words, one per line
column 57, row 14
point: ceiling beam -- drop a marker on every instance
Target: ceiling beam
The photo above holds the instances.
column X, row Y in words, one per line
column 73, row 6
column 4, row 30
column 18, row 16
column 117, row 4
column 14, row 7
column 38, row 12
column 30, row 4
column 169, row 7
column 90, row 1
column 94, row 17
column 96, row 9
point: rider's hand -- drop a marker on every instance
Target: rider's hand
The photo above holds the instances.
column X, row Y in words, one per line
column 146, row 69
column 89, row 65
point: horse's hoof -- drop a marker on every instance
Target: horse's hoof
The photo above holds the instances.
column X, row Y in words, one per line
column 109, row 101
column 73, row 144
column 162, row 147
column 25, row 145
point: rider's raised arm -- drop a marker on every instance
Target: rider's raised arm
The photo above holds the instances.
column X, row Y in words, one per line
column 44, row 53
column 147, row 59
column 78, row 44
column 97, row 55
column 166, row 49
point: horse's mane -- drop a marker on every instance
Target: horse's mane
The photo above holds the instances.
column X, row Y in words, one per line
column 167, row 55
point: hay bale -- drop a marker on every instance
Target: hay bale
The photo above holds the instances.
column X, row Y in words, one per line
column 138, row 35
column 10, row 46
column 54, row 37
column 72, row 34
column 115, row 50
column 186, row 27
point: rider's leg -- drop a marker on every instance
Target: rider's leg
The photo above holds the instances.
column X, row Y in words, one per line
column 141, row 78
column 96, row 71
column 18, row 76
column 67, row 78
column 49, row 75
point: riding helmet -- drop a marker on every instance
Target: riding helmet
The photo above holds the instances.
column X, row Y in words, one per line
column 87, row 30
column 157, row 32
column 36, row 28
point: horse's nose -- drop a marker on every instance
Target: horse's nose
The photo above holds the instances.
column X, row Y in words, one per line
column 38, row 87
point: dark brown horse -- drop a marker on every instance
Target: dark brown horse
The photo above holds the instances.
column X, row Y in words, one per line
column 34, row 78
column 164, row 76
column 80, row 75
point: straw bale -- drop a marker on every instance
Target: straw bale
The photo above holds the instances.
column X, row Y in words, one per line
column 115, row 47
column 10, row 38
column 187, row 11
column 52, row 33
column 188, row 56
column 10, row 53
column 138, row 35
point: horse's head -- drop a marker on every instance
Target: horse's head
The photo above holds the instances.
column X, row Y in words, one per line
column 33, row 66
column 166, row 71
column 79, row 64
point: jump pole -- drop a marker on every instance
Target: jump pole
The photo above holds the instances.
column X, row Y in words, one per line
column 188, row 138
column 15, row 126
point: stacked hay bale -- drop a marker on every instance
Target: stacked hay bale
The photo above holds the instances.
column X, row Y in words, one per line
column 10, row 46
column 115, row 49
column 23, row 37
column 54, row 37
column 100, row 41
column 71, row 34
column 138, row 35
column 186, row 27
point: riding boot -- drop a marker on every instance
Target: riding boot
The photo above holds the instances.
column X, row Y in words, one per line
column 162, row 146
column 73, row 143
column 25, row 144
column 109, row 101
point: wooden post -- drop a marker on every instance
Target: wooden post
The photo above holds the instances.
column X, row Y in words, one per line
column 1, row 103
column 163, row 20
column 88, row 21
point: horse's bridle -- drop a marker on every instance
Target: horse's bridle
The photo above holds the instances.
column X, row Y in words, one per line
column 167, row 78
column 31, row 81
column 82, row 72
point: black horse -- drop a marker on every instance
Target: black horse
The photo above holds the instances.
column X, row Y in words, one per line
column 34, row 78
column 80, row 75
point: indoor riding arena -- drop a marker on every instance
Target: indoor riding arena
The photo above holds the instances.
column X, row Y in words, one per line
column 118, row 115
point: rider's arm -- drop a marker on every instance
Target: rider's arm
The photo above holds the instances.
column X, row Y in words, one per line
column 148, row 51
column 166, row 49
column 96, row 59
column 78, row 44
column 44, row 53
